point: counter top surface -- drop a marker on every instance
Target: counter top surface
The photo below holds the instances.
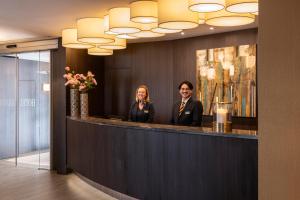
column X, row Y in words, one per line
column 236, row 133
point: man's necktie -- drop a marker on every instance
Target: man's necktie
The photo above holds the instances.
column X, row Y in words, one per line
column 181, row 108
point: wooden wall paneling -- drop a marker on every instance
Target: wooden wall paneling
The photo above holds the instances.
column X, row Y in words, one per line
column 150, row 64
column 58, row 113
column 81, row 62
column 184, row 64
column 118, row 87
column 161, row 66
column 118, row 83
column 161, row 79
column 154, row 148
column 140, row 66
column 136, row 164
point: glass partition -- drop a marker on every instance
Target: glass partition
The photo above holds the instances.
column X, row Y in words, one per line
column 32, row 105
column 8, row 107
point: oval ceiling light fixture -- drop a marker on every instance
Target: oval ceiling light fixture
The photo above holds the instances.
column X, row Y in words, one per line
column 201, row 18
column 100, row 52
column 119, row 21
column 163, row 30
column 91, row 30
column 126, row 36
column 144, row 11
column 118, row 44
column 106, row 26
column 69, row 40
column 242, row 6
column 146, row 31
column 206, row 5
column 174, row 14
column 224, row 18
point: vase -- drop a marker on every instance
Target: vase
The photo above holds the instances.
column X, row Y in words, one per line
column 74, row 102
column 222, row 117
column 84, row 105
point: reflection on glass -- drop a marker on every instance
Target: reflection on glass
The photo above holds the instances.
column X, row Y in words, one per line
column 8, row 82
column 33, row 109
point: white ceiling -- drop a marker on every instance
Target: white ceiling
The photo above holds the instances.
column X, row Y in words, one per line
column 36, row 19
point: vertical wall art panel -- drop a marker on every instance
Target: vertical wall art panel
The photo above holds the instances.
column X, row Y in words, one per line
column 228, row 75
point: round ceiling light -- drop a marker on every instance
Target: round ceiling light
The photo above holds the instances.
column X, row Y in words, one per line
column 206, row 5
column 119, row 21
column 224, row 18
column 126, row 36
column 118, row 44
column 242, row 6
column 201, row 18
column 91, row 30
column 174, row 14
column 100, row 52
column 106, row 26
column 146, row 31
column 163, row 30
column 69, row 40
column 143, row 11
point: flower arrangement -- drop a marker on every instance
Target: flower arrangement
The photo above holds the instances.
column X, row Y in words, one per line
column 73, row 80
column 87, row 82
column 79, row 81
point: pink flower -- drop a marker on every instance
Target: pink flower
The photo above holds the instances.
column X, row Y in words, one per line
column 77, row 76
column 90, row 74
column 82, row 87
column 69, row 76
column 67, row 83
column 94, row 81
column 65, row 75
column 67, row 68
column 82, row 77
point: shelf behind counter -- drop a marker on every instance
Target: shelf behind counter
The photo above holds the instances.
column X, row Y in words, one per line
column 157, row 161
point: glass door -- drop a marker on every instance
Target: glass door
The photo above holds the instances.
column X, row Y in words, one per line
column 32, row 118
column 8, row 108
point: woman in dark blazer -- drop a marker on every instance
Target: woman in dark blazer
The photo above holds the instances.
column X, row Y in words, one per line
column 142, row 109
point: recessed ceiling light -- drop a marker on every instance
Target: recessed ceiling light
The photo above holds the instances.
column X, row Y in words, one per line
column 182, row 33
column 212, row 28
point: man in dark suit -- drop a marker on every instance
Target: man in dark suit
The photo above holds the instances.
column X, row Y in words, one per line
column 187, row 112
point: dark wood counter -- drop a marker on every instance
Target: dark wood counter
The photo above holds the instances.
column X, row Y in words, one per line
column 154, row 161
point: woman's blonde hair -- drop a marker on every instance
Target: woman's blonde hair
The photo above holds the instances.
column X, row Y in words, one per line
column 147, row 98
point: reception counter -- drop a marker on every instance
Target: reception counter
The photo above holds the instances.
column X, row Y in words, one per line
column 155, row 161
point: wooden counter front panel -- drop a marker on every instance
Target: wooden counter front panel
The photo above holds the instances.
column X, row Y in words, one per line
column 149, row 164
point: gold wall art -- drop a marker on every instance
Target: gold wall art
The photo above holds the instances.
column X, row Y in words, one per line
column 228, row 75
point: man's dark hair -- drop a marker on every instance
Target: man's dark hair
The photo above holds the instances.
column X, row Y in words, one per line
column 189, row 84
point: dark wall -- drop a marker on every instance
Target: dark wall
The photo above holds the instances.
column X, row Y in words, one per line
column 81, row 63
column 161, row 66
column 58, row 113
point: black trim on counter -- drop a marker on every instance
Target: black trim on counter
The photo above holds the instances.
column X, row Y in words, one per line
column 236, row 133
